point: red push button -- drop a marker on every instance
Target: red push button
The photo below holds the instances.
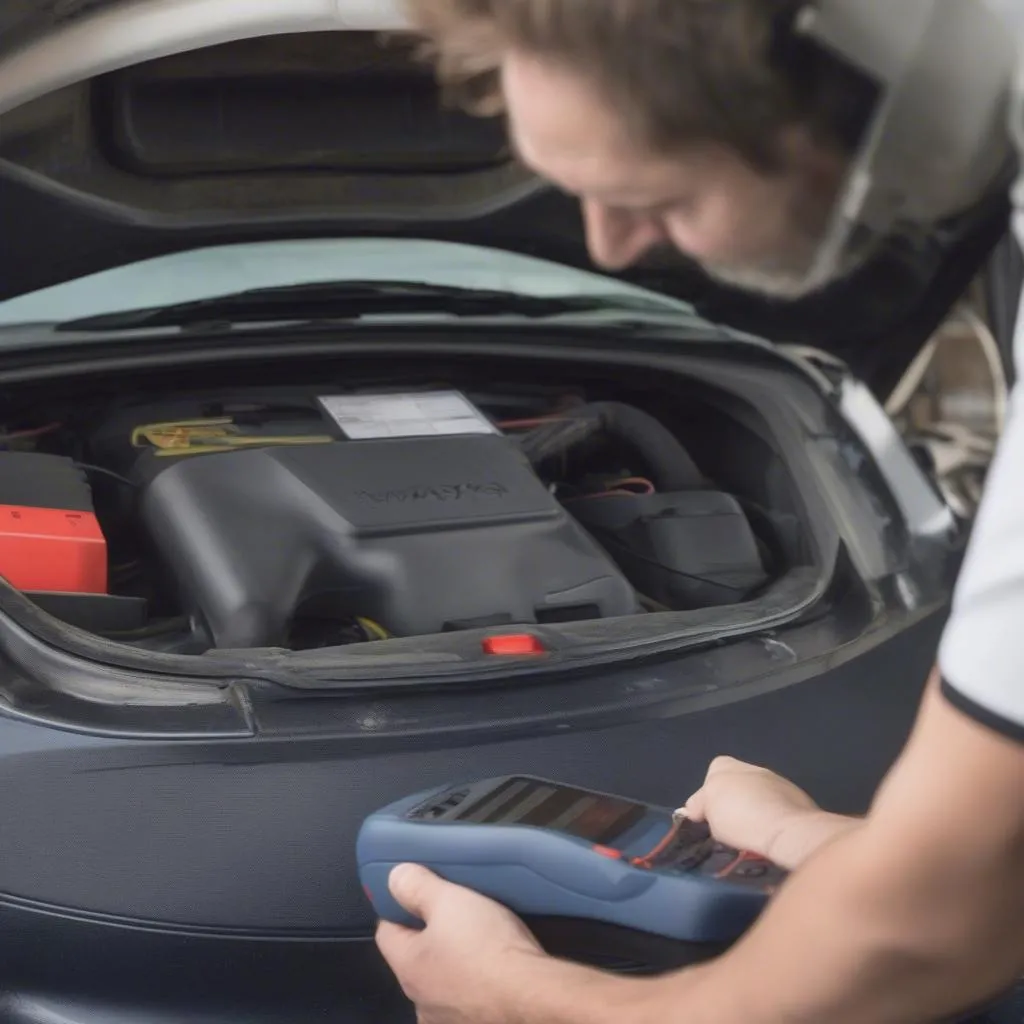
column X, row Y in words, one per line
column 607, row 851
column 513, row 645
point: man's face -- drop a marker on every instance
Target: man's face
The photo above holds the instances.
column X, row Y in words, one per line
column 745, row 228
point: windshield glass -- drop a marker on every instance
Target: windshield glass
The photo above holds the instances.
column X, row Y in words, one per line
column 209, row 273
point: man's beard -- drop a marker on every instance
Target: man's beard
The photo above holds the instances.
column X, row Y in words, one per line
column 776, row 284
column 793, row 276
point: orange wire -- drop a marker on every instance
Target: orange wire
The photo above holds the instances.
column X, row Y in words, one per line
column 619, row 490
column 635, row 481
column 670, row 838
column 24, row 435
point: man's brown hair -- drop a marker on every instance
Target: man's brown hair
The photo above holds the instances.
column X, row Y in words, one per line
column 679, row 71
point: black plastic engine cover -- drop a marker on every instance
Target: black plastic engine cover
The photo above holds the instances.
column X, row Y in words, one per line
column 421, row 535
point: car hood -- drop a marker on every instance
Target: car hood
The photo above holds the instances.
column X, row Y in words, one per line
column 130, row 130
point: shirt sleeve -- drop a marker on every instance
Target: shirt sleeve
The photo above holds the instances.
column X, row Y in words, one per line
column 981, row 657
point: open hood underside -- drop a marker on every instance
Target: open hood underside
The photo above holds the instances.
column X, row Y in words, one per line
column 328, row 133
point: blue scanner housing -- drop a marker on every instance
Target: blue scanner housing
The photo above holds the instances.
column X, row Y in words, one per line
column 545, row 850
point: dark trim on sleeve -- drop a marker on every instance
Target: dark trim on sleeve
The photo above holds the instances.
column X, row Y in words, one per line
column 982, row 715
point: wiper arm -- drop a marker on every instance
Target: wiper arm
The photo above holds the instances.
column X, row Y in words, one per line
column 348, row 299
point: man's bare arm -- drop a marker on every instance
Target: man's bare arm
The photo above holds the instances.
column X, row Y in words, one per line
column 913, row 915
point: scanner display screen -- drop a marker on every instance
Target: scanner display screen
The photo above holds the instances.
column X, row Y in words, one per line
column 575, row 812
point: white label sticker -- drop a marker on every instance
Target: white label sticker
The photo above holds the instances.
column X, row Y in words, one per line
column 429, row 414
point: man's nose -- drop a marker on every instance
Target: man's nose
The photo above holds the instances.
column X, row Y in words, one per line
column 618, row 238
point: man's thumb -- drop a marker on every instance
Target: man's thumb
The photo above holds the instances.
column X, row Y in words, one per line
column 415, row 888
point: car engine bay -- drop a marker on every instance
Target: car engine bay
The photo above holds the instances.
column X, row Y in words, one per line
column 301, row 516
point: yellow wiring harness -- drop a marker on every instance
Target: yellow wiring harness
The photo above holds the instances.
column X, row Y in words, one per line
column 206, row 436
column 374, row 629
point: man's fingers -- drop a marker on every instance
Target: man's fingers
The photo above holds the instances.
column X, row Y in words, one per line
column 394, row 942
column 416, row 889
column 726, row 764
column 696, row 807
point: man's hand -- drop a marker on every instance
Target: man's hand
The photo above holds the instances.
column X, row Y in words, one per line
column 475, row 962
column 461, row 968
column 753, row 809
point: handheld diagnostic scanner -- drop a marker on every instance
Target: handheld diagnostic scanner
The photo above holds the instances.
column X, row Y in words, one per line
column 545, row 850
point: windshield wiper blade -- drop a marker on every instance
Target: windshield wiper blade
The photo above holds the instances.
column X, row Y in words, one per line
column 348, row 299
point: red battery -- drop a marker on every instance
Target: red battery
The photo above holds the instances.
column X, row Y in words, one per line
column 50, row 538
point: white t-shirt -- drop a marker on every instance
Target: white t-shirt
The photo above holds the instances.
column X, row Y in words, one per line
column 981, row 657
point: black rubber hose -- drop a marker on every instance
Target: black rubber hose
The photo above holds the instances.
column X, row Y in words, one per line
column 670, row 464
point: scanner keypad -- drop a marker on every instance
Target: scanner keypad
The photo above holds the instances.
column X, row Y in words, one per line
column 691, row 846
